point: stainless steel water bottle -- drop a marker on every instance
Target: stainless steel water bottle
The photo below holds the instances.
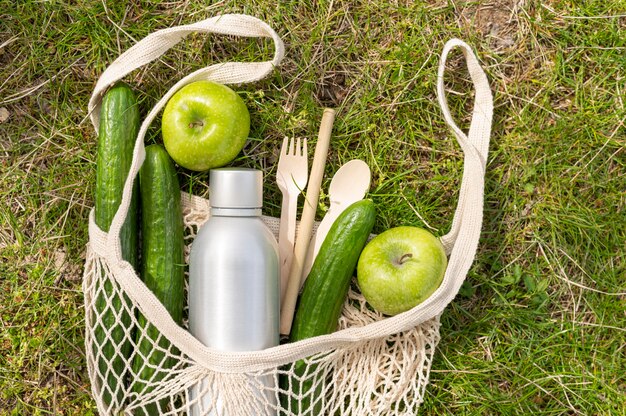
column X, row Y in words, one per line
column 234, row 274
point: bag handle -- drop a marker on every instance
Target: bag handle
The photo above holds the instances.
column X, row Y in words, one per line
column 461, row 243
column 462, row 240
column 151, row 48
column 475, row 145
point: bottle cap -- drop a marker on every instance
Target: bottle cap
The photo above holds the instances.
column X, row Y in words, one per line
column 236, row 188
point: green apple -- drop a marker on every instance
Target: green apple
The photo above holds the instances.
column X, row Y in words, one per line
column 205, row 125
column 400, row 268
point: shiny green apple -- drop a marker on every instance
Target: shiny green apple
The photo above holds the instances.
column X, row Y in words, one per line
column 204, row 125
column 400, row 268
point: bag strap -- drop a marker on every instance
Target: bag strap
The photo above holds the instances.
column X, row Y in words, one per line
column 462, row 240
column 475, row 145
column 151, row 48
column 461, row 243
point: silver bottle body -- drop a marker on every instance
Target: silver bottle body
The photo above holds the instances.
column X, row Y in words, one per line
column 234, row 293
column 234, row 285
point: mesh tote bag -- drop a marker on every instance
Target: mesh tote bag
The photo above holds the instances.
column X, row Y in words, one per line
column 372, row 364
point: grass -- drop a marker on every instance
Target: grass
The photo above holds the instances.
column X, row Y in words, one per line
column 539, row 325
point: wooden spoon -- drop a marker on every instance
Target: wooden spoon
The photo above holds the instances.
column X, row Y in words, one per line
column 348, row 186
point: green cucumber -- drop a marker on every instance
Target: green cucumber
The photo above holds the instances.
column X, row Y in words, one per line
column 119, row 125
column 162, row 267
column 325, row 291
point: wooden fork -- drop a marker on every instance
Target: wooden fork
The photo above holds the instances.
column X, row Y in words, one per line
column 291, row 177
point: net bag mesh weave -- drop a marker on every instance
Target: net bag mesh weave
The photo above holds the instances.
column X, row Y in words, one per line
column 386, row 375
column 372, row 365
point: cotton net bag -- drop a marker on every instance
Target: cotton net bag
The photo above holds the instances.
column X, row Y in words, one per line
column 372, row 365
